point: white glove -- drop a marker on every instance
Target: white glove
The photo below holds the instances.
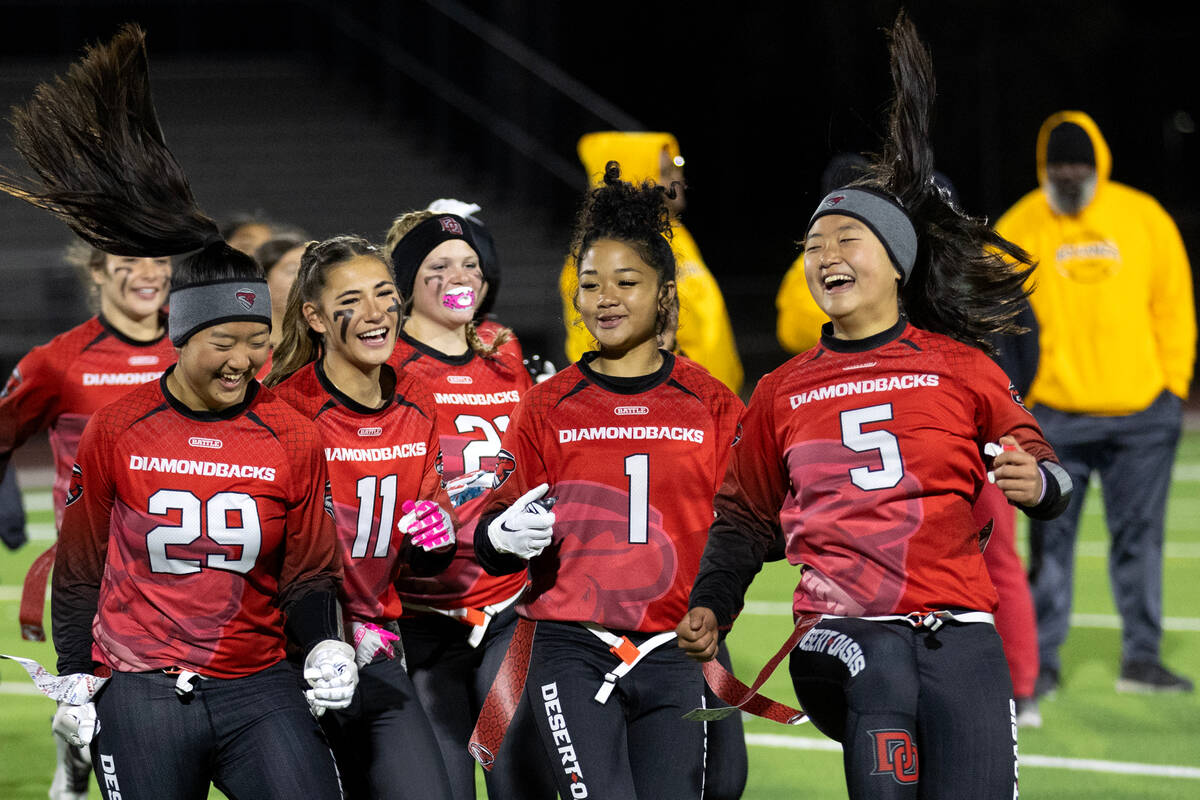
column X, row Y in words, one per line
column 331, row 671
column 370, row 641
column 526, row 527
column 75, row 720
column 77, row 725
column 427, row 523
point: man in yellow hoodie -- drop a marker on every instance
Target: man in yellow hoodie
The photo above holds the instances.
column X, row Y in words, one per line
column 704, row 333
column 1113, row 298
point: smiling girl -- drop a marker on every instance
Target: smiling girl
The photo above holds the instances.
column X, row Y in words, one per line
column 457, row 625
column 632, row 442
column 379, row 429
column 868, row 452
column 194, row 542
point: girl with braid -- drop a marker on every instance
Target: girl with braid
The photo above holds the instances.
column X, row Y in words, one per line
column 631, row 442
column 380, row 433
column 868, row 452
column 194, row 543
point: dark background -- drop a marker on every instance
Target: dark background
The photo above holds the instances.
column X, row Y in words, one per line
column 758, row 94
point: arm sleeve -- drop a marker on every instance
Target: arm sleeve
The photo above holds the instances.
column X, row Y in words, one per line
column 529, row 470
column 312, row 561
column 798, row 318
column 1002, row 414
column 1171, row 306
column 28, row 402
column 746, row 512
column 82, row 550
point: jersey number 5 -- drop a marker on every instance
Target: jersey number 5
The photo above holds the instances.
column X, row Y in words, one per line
column 232, row 521
column 860, row 441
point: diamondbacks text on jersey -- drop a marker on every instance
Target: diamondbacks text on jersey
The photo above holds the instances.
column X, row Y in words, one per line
column 60, row 384
column 200, row 530
column 645, row 456
column 377, row 459
column 474, row 397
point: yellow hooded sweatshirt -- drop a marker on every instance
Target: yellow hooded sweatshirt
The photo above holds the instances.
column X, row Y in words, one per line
column 705, row 334
column 1113, row 292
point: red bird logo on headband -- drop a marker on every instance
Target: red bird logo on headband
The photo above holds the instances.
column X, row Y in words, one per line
column 450, row 225
column 833, row 201
column 246, row 298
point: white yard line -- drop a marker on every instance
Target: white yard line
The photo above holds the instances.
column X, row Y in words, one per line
column 1027, row 760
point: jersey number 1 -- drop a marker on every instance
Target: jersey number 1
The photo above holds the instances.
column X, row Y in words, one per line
column 637, row 469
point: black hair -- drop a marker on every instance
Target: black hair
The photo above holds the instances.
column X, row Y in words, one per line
column 968, row 281
column 299, row 343
column 269, row 252
column 102, row 166
column 634, row 214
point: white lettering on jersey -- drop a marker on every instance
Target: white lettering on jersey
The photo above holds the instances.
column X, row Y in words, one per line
column 370, row 432
column 848, row 388
column 626, row 411
column 201, row 441
column 119, row 378
column 187, row 466
column 407, row 450
column 142, row 361
column 459, row 379
column 489, row 399
column 567, row 435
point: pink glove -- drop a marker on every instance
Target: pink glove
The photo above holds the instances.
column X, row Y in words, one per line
column 371, row 641
column 427, row 523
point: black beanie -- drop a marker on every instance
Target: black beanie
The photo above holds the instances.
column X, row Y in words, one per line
column 1070, row 144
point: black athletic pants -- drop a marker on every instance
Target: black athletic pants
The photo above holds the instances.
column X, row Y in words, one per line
column 253, row 737
column 920, row 713
column 384, row 744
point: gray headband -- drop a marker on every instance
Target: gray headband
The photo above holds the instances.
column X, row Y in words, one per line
column 202, row 305
column 883, row 216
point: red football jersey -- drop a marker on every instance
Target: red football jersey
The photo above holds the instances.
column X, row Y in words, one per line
column 377, row 459
column 869, row 456
column 60, row 384
column 634, row 464
column 474, row 397
column 196, row 527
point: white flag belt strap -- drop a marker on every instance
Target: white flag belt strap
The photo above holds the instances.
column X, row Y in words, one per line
column 624, row 649
column 477, row 618
column 928, row 619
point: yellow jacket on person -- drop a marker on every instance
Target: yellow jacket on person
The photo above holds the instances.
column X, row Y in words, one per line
column 1113, row 292
column 798, row 318
column 705, row 334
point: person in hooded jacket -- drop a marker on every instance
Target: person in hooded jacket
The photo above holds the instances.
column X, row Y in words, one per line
column 702, row 330
column 1118, row 333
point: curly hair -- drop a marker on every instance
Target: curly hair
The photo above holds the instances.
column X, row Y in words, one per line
column 299, row 343
column 633, row 214
column 102, row 166
column 968, row 281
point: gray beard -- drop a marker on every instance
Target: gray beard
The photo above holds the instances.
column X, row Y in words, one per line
column 1071, row 197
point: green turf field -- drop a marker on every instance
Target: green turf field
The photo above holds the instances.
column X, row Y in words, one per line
column 1095, row 743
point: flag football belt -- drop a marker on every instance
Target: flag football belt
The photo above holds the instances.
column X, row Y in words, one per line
column 33, row 596
column 502, row 699
column 741, row 697
column 932, row 620
column 185, row 680
column 477, row 618
column 624, row 649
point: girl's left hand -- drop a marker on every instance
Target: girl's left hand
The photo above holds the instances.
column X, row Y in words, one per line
column 1017, row 473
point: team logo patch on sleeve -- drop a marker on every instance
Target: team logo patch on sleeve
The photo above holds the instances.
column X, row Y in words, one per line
column 75, row 490
column 505, row 465
column 329, row 500
column 1016, row 396
column 12, row 383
